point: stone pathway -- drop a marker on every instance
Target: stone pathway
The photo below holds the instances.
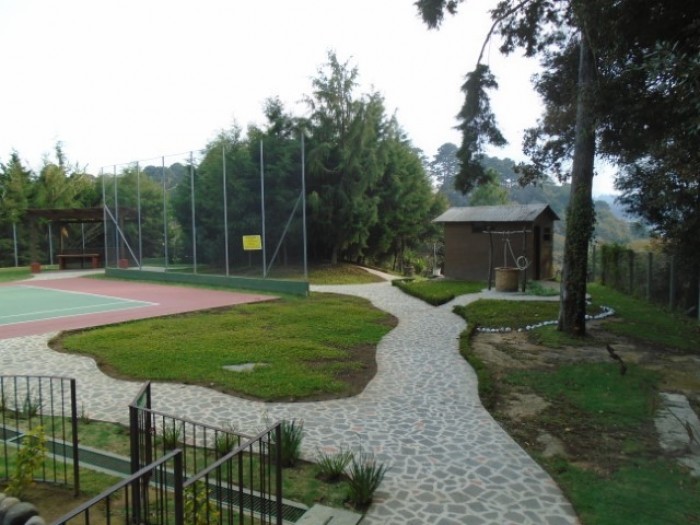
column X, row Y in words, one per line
column 450, row 462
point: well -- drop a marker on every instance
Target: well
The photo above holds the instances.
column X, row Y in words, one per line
column 507, row 279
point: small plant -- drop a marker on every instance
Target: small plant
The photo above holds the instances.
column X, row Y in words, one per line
column 30, row 406
column 332, row 466
column 84, row 417
column 365, row 476
column 171, row 436
column 292, row 435
column 199, row 509
column 225, row 442
column 30, row 457
column 536, row 288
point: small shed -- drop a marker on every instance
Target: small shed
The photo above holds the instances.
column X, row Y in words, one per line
column 477, row 237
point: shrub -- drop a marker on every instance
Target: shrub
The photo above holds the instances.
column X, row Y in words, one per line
column 365, row 477
column 225, row 442
column 199, row 508
column 332, row 466
column 30, row 406
column 292, row 435
column 171, row 436
column 30, row 457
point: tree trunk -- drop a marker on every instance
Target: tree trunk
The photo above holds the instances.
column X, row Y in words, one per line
column 580, row 215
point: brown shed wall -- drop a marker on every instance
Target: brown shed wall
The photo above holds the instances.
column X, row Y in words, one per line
column 467, row 251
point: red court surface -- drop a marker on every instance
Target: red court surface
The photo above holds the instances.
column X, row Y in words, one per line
column 167, row 299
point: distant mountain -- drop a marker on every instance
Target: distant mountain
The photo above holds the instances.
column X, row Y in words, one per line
column 618, row 209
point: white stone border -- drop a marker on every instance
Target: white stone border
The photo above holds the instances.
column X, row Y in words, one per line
column 606, row 312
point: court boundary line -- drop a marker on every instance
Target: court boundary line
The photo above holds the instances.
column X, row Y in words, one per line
column 125, row 307
column 127, row 304
column 73, row 315
column 103, row 296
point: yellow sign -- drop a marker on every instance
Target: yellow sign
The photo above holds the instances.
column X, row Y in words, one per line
column 252, row 242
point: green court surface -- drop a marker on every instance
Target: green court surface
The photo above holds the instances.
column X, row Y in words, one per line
column 21, row 304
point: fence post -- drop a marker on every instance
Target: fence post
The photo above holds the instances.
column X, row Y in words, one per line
column 603, row 265
column 593, row 261
column 178, row 480
column 278, row 472
column 74, row 429
column 649, row 268
column 135, row 464
column 630, row 255
column 672, row 283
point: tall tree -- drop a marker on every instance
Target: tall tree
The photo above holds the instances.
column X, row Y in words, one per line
column 15, row 195
column 490, row 193
column 549, row 29
column 661, row 177
column 445, row 165
column 15, row 188
column 344, row 160
column 406, row 203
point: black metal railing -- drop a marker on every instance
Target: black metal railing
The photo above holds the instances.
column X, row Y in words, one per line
column 242, row 487
column 49, row 404
column 235, row 476
column 157, row 487
column 154, row 434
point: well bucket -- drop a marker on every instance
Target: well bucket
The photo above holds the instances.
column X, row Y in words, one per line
column 507, row 279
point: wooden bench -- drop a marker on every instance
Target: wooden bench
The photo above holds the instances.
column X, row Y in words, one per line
column 92, row 258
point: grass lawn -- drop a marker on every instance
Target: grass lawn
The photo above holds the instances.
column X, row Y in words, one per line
column 341, row 274
column 14, row 274
column 313, row 348
column 439, row 291
column 612, row 468
column 648, row 322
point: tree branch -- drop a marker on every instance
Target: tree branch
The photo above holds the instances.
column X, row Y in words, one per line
column 495, row 23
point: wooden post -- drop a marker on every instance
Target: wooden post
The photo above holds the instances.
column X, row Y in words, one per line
column 649, row 267
column 603, row 266
column 525, row 254
column 593, row 263
column 490, row 258
column 672, row 283
column 630, row 261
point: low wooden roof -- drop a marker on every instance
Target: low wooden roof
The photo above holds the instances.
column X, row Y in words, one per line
column 506, row 213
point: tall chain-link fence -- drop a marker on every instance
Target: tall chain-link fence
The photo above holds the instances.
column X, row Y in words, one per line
column 227, row 210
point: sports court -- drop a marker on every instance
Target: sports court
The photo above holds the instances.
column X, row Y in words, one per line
column 37, row 307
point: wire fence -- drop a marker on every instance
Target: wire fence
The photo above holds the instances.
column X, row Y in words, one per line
column 207, row 212
column 656, row 276
column 231, row 209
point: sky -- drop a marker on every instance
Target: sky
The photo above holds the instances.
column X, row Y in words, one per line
column 118, row 82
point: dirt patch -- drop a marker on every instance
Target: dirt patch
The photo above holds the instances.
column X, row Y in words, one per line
column 556, row 427
column 54, row 502
column 521, row 406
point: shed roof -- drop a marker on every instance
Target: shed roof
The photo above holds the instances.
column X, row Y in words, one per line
column 508, row 213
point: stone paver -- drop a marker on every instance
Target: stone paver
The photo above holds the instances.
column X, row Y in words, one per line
column 450, row 462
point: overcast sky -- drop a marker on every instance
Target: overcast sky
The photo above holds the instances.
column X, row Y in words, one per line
column 137, row 79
